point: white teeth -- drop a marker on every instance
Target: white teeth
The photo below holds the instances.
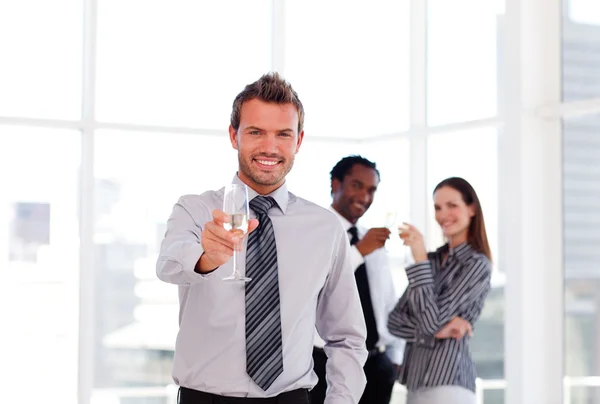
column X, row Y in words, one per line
column 267, row 163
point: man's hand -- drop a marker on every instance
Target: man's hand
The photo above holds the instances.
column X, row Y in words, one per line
column 374, row 239
column 456, row 328
column 218, row 243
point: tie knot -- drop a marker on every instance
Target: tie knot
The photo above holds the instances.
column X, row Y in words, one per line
column 261, row 204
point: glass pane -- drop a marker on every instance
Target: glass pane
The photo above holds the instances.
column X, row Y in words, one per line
column 581, row 196
column 41, row 68
column 583, row 11
column 393, row 163
column 587, row 395
column 581, row 50
column 39, row 264
column 495, row 396
column 187, row 71
column 472, row 155
column 136, row 318
column 350, row 65
column 462, row 60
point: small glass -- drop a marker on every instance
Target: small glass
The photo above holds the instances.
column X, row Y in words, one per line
column 407, row 249
column 235, row 204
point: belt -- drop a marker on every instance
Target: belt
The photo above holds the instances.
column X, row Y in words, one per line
column 187, row 396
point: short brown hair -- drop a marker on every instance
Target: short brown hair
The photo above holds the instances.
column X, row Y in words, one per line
column 271, row 87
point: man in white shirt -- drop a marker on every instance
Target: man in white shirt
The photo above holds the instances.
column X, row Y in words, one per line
column 354, row 181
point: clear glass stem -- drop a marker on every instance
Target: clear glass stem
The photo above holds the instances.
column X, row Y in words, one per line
column 236, row 272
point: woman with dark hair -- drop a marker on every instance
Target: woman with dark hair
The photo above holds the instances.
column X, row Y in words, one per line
column 445, row 296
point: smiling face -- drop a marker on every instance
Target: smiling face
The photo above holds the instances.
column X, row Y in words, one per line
column 267, row 141
column 353, row 196
column 452, row 214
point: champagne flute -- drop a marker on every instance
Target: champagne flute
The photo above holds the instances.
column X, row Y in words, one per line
column 235, row 204
column 389, row 219
column 407, row 249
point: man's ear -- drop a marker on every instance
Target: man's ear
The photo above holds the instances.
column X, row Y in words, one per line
column 335, row 185
column 233, row 137
column 300, row 138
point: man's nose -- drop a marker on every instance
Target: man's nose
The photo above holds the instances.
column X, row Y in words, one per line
column 363, row 196
column 269, row 144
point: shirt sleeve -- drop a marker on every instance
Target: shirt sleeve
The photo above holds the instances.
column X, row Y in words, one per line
column 341, row 324
column 465, row 296
column 180, row 249
column 401, row 324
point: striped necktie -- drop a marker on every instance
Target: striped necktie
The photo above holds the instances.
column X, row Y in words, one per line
column 264, row 358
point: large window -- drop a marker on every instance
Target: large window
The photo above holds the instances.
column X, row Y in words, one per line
column 581, row 198
column 416, row 86
column 178, row 63
column 462, row 67
column 581, row 182
column 581, row 50
column 41, row 48
column 39, row 264
column 463, row 85
column 349, row 60
column 135, row 189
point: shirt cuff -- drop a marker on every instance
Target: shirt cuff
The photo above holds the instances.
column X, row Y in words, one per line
column 189, row 260
column 425, row 341
column 419, row 274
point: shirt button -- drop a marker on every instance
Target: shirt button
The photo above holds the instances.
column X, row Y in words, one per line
column 422, row 341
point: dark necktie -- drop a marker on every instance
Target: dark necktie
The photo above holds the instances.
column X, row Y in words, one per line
column 264, row 358
column 362, row 283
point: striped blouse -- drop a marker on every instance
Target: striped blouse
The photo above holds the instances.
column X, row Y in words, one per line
column 435, row 294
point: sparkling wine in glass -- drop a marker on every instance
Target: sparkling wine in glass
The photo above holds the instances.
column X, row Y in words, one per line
column 235, row 204
column 389, row 219
column 407, row 249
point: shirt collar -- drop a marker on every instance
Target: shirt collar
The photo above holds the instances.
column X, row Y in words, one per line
column 461, row 251
column 280, row 195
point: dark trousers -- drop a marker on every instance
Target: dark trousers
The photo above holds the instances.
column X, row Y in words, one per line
column 189, row 396
column 379, row 371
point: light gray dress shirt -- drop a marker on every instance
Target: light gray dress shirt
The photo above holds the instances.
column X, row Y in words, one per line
column 316, row 286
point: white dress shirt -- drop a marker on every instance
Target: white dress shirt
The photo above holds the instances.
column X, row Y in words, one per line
column 316, row 287
column 381, row 288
